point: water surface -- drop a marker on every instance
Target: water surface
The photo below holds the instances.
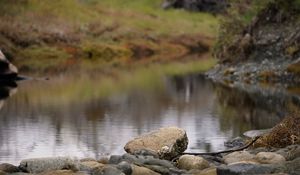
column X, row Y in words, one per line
column 51, row 118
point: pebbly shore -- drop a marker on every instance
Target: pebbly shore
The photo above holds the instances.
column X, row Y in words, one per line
column 162, row 152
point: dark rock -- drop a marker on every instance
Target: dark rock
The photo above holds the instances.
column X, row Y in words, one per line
column 290, row 167
column 234, row 143
column 154, row 161
column 125, row 167
column 7, row 70
column 8, row 168
column 145, row 152
column 158, row 169
column 87, row 160
column 290, row 153
column 115, row 159
column 244, row 169
column 214, row 6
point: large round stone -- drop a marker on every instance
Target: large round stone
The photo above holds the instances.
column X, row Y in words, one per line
column 269, row 158
column 166, row 142
column 190, row 162
column 238, row 156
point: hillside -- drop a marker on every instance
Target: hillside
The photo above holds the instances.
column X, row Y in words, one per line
column 57, row 35
column 260, row 44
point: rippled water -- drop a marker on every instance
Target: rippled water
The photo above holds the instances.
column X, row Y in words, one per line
column 48, row 119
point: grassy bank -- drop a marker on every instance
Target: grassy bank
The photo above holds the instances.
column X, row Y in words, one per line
column 55, row 35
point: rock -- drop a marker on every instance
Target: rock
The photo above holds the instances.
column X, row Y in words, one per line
column 190, row 162
column 115, row 159
column 213, row 6
column 39, row 165
column 90, row 166
column 269, row 158
column 108, row 170
column 125, row 167
column 104, row 160
column 158, row 169
column 236, row 142
column 289, row 167
column 244, row 169
column 8, row 168
column 255, row 133
column 61, row 172
column 87, row 160
column 238, row 157
column 7, row 70
column 290, row 153
column 145, row 152
column 207, row 171
column 166, row 142
column 137, row 170
column 2, row 172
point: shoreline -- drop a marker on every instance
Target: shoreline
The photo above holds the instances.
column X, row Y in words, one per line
column 142, row 159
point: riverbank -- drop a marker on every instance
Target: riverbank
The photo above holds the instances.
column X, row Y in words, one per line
column 263, row 47
column 91, row 35
column 144, row 158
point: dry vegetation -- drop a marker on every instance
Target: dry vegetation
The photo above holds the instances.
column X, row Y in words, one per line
column 285, row 133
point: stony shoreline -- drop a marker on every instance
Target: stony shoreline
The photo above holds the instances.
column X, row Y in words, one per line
column 146, row 156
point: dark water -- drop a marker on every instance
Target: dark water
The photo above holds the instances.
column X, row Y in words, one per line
column 46, row 119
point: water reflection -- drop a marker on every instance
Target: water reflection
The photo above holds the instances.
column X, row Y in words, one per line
column 210, row 113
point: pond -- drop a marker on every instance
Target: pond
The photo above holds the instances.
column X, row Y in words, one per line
column 47, row 118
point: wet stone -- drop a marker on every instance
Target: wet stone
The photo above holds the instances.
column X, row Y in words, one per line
column 244, row 169
column 125, row 167
column 8, row 168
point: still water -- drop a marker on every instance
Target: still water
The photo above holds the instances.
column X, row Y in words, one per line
column 46, row 118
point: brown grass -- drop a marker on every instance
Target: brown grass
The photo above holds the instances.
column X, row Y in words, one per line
column 285, row 133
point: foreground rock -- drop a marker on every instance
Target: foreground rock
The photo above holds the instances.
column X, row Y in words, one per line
column 39, row 165
column 8, row 168
column 7, row 70
column 145, row 160
column 190, row 162
column 166, row 142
